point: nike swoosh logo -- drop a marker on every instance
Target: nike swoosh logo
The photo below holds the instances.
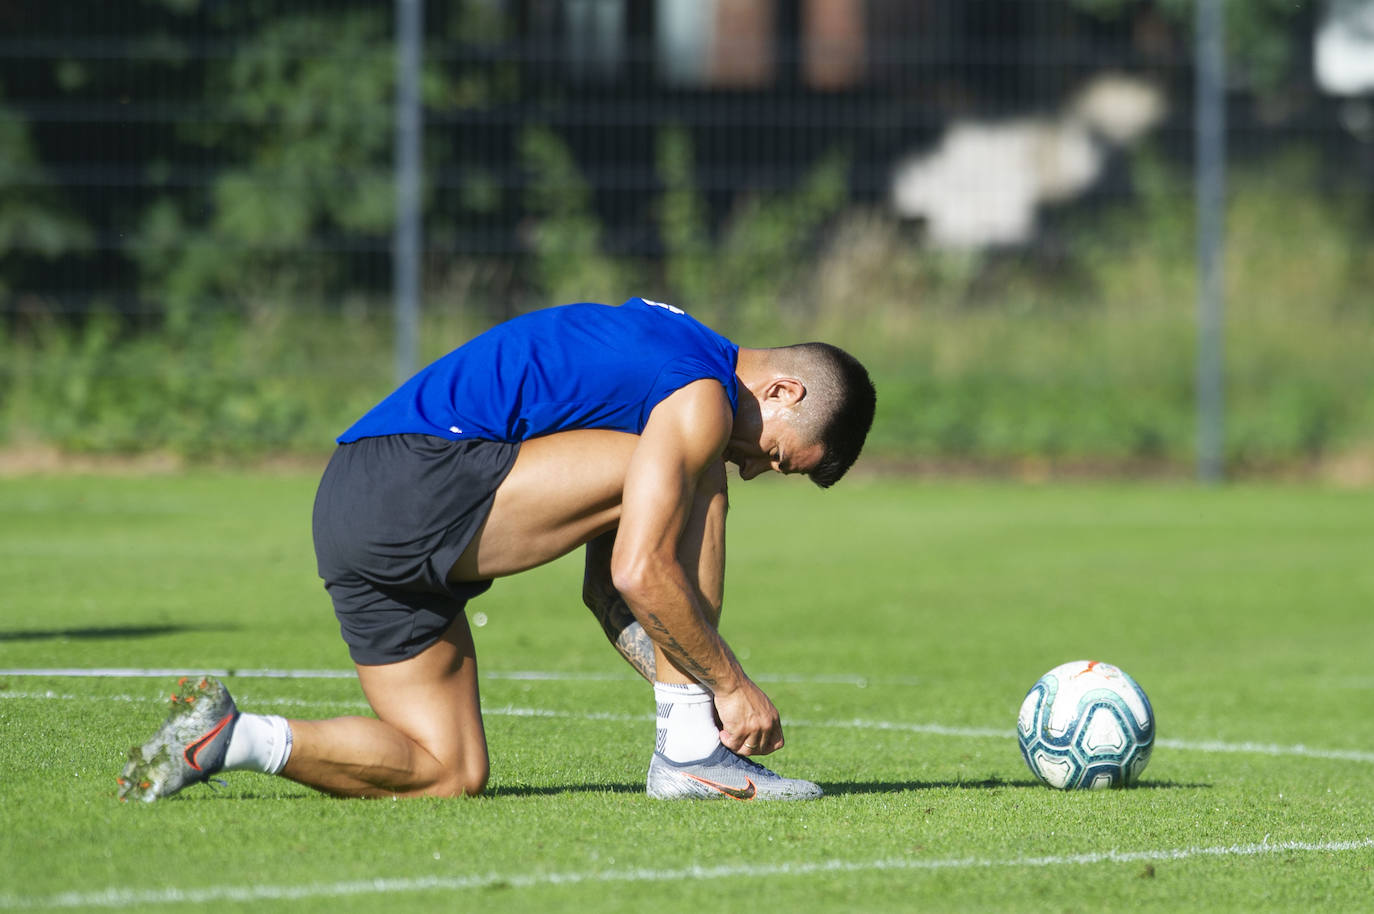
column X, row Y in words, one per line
column 192, row 752
column 737, row 793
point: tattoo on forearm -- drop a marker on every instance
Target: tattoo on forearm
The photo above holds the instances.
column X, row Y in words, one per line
column 624, row 631
column 671, row 645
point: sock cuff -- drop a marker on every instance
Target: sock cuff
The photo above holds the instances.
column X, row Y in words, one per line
column 259, row 742
column 281, row 748
column 685, row 692
column 686, row 725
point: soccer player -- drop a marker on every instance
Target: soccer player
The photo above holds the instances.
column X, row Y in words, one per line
column 581, row 425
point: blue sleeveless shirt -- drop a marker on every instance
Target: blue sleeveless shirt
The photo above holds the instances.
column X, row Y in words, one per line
column 570, row 367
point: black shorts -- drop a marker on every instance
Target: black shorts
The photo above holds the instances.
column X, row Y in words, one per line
column 391, row 517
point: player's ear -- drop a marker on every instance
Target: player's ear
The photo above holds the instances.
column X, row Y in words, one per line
column 786, row 391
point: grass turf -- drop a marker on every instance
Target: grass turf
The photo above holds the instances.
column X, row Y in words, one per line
column 896, row 624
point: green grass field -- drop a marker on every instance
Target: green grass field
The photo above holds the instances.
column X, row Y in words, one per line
column 897, row 625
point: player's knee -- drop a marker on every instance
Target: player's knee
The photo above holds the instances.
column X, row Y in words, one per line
column 467, row 779
column 472, row 777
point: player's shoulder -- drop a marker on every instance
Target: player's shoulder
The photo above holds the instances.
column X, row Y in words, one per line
column 694, row 421
column 703, row 405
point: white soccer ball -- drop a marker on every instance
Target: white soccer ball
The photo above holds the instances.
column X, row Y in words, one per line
column 1086, row 724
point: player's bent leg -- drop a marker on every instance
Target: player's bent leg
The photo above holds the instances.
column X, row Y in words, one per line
column 564, row 490
column 701, row 553
column 427, row 740
column 701, row 548
column 689, row 761
column 702, row 556
column 687, row 729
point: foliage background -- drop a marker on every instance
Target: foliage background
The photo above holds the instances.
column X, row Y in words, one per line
column 196, row 201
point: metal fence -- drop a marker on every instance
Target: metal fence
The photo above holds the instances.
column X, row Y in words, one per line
column 135, row 133
column 172, row 158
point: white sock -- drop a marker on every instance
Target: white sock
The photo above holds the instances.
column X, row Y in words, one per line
column 686, row 721
column 260, row 742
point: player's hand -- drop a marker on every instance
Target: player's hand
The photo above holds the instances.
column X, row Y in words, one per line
column 749, row 724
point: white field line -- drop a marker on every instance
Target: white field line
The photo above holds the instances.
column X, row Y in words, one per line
column 136, row 898
column 852, row 679
column 525, row 675
column 352, row 705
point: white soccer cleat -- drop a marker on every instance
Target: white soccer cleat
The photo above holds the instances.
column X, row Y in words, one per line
column 189, row 746
column 722, row 775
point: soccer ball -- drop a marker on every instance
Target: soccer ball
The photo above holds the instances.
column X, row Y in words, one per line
column 1086, row 724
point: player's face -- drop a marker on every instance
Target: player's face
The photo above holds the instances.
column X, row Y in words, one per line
column 778, row 447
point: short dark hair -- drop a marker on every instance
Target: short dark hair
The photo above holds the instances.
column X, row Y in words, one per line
column 845, row 403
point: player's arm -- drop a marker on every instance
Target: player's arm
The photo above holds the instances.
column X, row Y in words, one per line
column 686, row 433
column 621, row 628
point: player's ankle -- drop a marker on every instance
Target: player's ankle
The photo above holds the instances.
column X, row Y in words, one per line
column 686, row 721
column 261, row 742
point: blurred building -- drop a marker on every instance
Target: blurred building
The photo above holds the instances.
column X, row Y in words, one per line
column 964, row 116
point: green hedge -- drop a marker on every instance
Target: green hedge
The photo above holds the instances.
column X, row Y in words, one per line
column 976, row 357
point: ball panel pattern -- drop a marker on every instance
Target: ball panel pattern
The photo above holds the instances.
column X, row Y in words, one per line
column 1086, row 724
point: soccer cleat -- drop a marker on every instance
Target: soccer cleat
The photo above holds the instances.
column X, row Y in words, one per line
column 722, row 775
column 188, row 748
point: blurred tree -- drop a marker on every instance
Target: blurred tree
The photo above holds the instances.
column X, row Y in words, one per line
column 565, row 236
column 198, row 151
column 745, row 279
column 1265, row 46
column 36, row 224
column 303, row 121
